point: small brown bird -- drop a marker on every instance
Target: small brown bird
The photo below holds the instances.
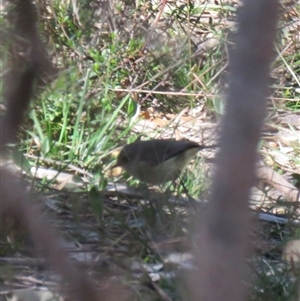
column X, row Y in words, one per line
column 157, row 161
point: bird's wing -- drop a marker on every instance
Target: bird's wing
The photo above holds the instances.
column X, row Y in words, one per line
column 156, row 151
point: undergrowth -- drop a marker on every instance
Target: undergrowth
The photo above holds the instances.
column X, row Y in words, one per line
column 113, row 62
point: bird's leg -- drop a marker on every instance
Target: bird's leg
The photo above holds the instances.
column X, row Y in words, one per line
column 192, row 201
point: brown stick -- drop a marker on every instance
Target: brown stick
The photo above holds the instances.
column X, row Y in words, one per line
column 271, row 177
column 222, row 245
column 30, row 61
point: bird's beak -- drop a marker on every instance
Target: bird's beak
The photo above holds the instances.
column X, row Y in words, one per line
column 116, row 170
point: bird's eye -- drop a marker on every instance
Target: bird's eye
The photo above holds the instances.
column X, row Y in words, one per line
column 123, row 158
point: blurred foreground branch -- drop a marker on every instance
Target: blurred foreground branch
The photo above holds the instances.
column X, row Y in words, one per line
column 28, row 63
column 221, row 237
